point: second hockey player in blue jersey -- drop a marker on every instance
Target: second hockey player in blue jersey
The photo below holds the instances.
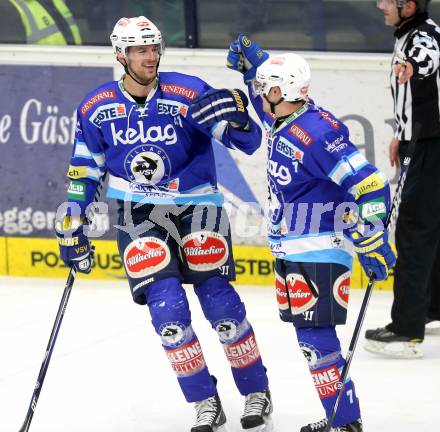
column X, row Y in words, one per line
column 326, row 200
column 172, row 226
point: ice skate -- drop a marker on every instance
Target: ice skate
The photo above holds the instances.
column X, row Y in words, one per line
column 432, row 326
column 385, row 342
column 210, row 416
column 257, row 410
column 319, row 426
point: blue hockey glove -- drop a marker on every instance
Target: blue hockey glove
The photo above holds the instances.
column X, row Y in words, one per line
column 75, row 248
column 375, row 253
column 245, row 56
column 216, row 105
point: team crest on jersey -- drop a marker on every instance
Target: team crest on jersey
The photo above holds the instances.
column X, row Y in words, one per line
column 147, row 165
column 300, row 294
column 205, row 250
column 146, row 256
column 337, row 240
column 341, row 289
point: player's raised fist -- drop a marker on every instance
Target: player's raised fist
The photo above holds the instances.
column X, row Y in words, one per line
column 245, row 56
column 217, row 105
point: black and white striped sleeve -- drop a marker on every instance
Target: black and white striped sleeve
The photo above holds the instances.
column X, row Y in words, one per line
column 424, row 54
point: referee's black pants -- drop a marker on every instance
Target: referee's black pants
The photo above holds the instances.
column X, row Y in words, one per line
column 417, row 271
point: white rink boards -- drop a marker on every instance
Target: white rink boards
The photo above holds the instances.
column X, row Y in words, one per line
column 109, row 373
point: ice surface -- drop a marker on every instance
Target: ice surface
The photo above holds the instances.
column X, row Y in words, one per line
column 109, row 372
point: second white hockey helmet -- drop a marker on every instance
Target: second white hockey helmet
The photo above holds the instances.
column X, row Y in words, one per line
column 135, row 32
column 290, row 72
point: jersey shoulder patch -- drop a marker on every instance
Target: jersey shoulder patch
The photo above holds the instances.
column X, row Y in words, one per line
column 106, row 92
column 181, row 86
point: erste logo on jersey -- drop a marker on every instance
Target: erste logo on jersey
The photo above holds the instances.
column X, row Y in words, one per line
column 108, row 112
column 147, row 165
column 186, row 92
column 107, row 94
column 145, row 256
column 300, row 294
column 153, row 134
column 205, row 250
column 341, row 289
column 174, row 108
column 288, row 149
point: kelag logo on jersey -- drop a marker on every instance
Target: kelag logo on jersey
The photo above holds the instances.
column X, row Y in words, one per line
column 147, row 165
column 108, row 112
column 152, row 134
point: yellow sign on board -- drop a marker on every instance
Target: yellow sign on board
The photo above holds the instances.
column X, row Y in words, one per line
column 37, row 257
column 3, row 257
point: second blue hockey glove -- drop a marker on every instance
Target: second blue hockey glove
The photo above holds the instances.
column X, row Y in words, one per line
column 75, row 248
column 375, row 254
column 217, row 105
column 245, row 56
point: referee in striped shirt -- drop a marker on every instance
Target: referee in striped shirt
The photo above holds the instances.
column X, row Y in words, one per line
column 415, row 81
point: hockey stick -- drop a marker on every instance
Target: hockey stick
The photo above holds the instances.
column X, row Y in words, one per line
column 369, row 290
column 55, row 329
column 49, row 350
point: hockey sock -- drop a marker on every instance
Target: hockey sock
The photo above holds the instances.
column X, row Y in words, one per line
column 322, row 350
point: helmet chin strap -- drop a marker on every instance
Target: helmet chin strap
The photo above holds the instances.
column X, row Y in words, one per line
column 273, row 104
column 127, row 71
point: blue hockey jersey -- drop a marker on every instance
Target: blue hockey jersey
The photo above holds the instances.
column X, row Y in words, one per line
column 315, row 176
column 153, row 153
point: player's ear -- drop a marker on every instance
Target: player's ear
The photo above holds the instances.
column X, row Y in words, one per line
column 276, row 91
column 121, row 59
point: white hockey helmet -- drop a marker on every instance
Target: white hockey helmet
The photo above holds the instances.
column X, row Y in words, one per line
column 135, row 32
column 290, row 72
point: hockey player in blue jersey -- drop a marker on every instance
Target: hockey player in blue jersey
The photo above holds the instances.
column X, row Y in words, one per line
column 326, row 199
column 172, row 226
